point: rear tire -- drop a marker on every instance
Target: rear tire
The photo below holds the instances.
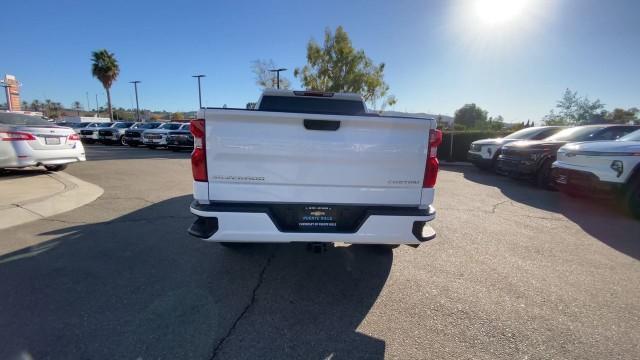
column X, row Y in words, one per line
column 55, row 167
column 632, row 198
column 123, row 141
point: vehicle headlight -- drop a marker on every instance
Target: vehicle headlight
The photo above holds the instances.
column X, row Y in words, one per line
column 618, row 167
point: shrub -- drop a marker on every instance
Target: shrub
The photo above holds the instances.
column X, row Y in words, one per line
column 461, row 142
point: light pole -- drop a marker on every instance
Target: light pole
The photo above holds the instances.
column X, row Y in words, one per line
column 199, row 89
column 135, row 86
column 97, row 108
column 277, row 71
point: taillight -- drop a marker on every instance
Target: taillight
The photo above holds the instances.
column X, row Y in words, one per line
column 199, row 154
column 431, row 167
column 15, row 136
column 74, row 137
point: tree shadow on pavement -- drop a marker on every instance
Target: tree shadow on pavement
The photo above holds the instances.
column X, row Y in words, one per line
column 139, row 287
column 604, row 220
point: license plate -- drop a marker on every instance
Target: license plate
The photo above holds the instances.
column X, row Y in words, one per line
column 52, row 141
column 317, row 218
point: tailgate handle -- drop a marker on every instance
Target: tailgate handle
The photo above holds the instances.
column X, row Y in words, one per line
column 324, row 125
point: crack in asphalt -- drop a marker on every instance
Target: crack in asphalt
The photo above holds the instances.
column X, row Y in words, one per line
column 246, row 309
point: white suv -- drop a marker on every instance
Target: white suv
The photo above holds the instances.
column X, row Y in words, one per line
column 601, row 169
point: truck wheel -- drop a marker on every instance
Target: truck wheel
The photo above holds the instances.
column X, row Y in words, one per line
column 543, row 176
column 632, row 198
column 123, row 141
column 55, row 167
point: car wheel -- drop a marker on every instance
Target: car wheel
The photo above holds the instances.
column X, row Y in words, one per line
column 543, row 177
column 55, row 167
column 123, row 141
column 632, row 198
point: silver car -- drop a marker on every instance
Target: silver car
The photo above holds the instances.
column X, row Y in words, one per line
column 158, row 137
column 32, row 141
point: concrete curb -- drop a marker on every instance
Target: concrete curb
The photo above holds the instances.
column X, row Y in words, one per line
column 76, row 193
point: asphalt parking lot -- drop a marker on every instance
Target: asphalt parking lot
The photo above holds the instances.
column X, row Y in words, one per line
column 515, row 273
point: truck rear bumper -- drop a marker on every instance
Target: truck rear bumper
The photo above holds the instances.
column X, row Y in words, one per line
column 256, row 224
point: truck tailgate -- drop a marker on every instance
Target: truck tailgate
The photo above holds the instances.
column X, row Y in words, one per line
column 258, row 156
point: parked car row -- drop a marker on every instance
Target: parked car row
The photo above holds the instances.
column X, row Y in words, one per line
column 592, row 160
column 173, row 135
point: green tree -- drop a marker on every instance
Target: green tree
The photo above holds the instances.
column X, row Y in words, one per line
column 24, row 105
column 35, row 105
column 622, row 116
column 496, row 123
column 575, row 110
column 105, row 68
column 336, row 66
column 178, row 116
column 267, row 79
column 471, row 116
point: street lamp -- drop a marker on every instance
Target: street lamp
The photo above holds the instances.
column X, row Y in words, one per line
column 199, row 89
column 135, row 86
column 277, row 71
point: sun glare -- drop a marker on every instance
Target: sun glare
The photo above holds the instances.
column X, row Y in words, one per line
column 494, row 12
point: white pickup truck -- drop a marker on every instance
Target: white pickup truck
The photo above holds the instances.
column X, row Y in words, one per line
column 312, row 167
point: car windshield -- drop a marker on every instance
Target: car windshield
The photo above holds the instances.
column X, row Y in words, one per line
column 121, row 125
column 21, row 119
column 576, row 133
column 185, row 127
column 634, row 136
column 149, row 125
column 524, row 134
column 80, row 125
column 169, row 126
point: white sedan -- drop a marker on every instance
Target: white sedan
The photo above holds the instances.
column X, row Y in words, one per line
column 32, row 141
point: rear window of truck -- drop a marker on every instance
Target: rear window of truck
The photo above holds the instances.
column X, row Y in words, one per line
column 312, row 105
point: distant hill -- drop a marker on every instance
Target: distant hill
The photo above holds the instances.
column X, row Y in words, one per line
column 444, row 118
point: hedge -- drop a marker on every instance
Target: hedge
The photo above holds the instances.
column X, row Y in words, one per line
column 461, row 142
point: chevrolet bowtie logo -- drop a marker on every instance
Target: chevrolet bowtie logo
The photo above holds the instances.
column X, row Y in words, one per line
column 317, row 213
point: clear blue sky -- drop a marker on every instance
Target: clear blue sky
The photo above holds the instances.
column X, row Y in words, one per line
column 439, row 54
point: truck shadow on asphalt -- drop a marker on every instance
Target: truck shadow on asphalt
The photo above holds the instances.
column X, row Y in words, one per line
column 139, row 287
column 604, row 220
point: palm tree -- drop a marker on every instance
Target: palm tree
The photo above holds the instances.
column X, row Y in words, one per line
column 48, row 103
column 35, row 105
column 24, row 105
column 77, row 106
column 105, row 68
